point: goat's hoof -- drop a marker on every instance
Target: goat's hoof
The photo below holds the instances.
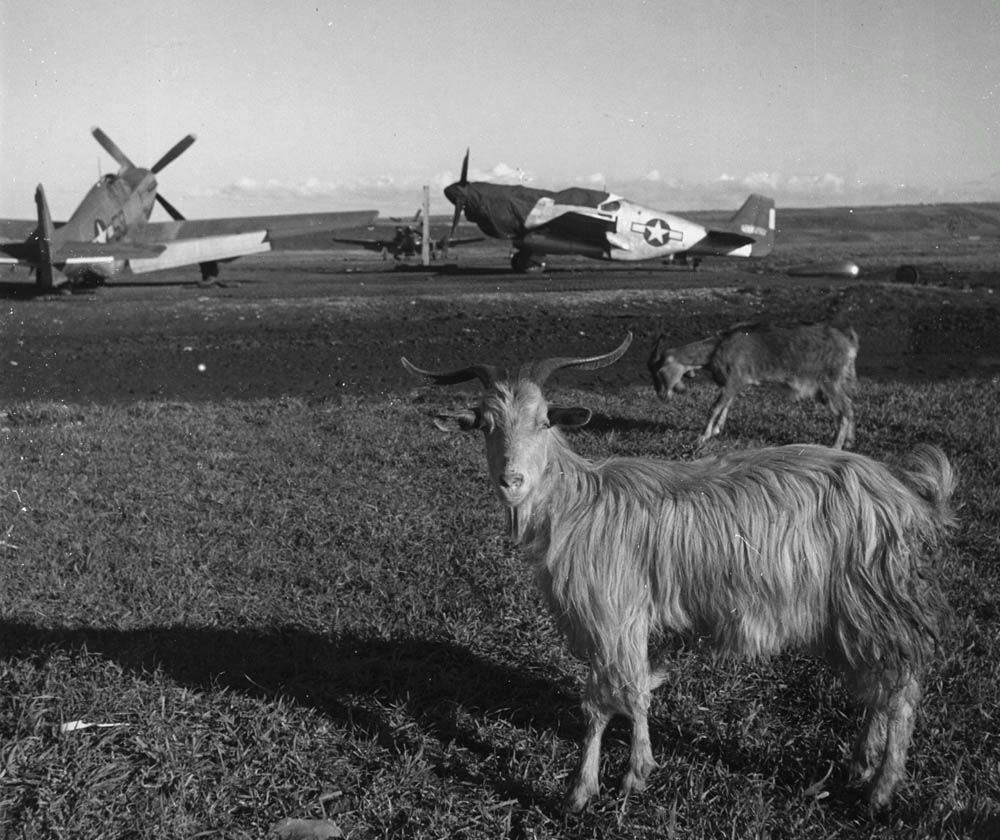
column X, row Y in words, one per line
column 880, row 793
column 861, row 774
column 633, row 783
column 576, row 799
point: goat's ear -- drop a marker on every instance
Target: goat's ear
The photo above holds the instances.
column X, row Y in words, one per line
column 568, row 418
column 460, row 421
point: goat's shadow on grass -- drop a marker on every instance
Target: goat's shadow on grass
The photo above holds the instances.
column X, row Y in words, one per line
column 358, row 682
column 353, row 680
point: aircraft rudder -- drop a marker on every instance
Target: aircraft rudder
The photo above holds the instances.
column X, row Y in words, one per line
column 42, row 237
column 45, row 227
column 757, row 218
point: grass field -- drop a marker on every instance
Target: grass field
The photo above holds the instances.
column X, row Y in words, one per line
column 290, row 609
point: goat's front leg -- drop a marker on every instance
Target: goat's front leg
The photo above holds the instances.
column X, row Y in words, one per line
column 585, row 782
column 839, row 402
column 717, row 419
column 641, row 762
column 845, row 430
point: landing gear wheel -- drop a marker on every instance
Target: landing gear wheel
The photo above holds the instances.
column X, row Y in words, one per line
column 522, row 263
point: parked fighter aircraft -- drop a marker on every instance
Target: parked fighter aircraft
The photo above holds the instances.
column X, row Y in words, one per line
column 110, row 234
column 406, row 241
column 597, row 224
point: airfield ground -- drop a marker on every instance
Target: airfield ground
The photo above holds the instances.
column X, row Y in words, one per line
column 314, row 323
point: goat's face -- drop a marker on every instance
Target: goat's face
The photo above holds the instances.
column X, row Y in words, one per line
column 515, row 418
column 668, row 378
column 517, row 423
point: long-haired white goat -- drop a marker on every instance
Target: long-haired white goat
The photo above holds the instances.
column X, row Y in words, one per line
column 797, row 546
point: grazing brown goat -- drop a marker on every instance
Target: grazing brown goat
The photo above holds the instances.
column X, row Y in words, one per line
column 755, row 552
column 813, row 360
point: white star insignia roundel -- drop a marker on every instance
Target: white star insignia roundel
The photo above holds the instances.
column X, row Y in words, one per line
column 102, row 232
column 656, row 232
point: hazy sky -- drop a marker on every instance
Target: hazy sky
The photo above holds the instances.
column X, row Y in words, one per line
column 336, row 105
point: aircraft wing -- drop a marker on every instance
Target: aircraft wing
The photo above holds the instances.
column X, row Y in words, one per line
column 163, row 245
column 96, row 251
column 440, row 241
column 272, row 227
column 367, row 244
column 17, row 230
column 378, row 244
column 572, row 226
column 189, row 241
column 202, row 249
column 15, row 253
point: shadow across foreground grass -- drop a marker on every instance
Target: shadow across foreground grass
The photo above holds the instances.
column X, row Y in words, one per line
column 328, row 674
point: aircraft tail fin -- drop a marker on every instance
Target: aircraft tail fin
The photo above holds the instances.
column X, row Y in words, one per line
column 42, row 239
column 756, row 219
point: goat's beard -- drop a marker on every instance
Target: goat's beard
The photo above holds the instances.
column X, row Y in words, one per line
column 522, row 524
column 512, row 523
column 518, row 519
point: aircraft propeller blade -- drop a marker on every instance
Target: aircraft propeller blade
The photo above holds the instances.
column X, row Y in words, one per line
column 465, row 169
column 109, row 146
column 175, row 152
column 175, row 214
column 459, row 204
column 178, row 149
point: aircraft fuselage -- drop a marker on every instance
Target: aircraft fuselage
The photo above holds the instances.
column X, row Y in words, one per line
column 114, row 209
column 629, row 231
column 115, row 206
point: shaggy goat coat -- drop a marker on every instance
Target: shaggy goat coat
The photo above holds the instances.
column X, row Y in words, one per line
column 758, row 551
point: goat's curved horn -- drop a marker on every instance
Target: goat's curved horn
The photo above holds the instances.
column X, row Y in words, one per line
column 487, row 374
column 539, row 371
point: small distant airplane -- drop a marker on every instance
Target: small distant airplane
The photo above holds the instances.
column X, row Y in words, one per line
column 109, row 234
column 601, row 225
column 407, row 241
